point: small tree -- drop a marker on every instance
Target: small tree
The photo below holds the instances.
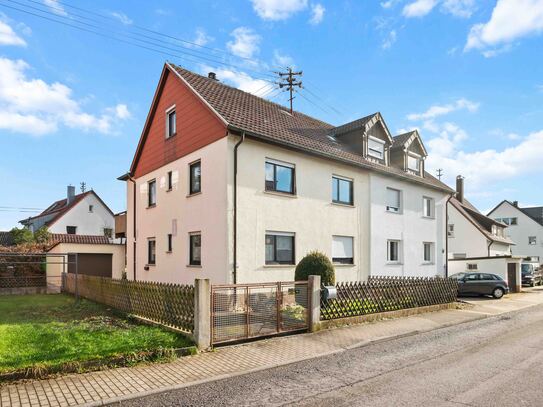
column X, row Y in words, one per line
column 41, row 235
column 22, row 236
column 318, row 264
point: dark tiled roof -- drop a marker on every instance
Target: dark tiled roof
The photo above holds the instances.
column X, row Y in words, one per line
column 6, row 239
column 536, row 213
column 351, row 126
column 273, row 123
column 481, row 222
column 56, row 238
column 400, row 140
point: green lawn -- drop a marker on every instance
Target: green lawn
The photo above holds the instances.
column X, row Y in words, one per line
column 41, row 334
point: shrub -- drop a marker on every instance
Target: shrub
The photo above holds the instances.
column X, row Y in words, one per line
column 317, row 264
column 41, row 236
column 22, row 236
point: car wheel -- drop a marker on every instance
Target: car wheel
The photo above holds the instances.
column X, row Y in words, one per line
column 497, row 293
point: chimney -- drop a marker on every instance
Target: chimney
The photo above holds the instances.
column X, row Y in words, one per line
column 70, row 195
column 460, row 188
column 212, row 75
column 515, row 204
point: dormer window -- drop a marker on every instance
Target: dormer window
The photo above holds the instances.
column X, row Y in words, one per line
column 376, row 148
column 413, row 163
column 171, row 122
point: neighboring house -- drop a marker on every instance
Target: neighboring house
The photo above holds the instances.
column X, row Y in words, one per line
column 525, row 228
column 477, row 242
column 6, row 239
column 229, row 186
column 81, row 214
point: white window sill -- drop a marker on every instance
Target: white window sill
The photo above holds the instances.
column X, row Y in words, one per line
column 429, row 217
column 394, row 263
column 194, row 266
column 394, row 212
column 428, row 264
column 283, row 194
column 345, row 205
column 343, row 265
column 278, row 266
column 194, row 194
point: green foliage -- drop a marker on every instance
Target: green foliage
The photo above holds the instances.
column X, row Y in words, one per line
column 22, row 236
column 317, row 264
column 41, row 235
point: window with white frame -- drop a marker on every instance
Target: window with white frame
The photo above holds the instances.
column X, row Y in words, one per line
column 342, row 249
column 450, row 230
column 279, row 248
column 171, row 122
column 376, row 148
column 428, row 255
column 393, row 251
column 428, row 207
column 532, row 240
column 413, row 162
column 195, row 175
column 393, row 200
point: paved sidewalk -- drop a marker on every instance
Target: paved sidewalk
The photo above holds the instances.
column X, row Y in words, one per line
column 99, row 388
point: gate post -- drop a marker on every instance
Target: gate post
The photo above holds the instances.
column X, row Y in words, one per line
column 314, row 296
column 202, row 313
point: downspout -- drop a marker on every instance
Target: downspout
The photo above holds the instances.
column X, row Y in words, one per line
column 133, row 181
column 235, row 255
column 447, row 236
column 489, row 245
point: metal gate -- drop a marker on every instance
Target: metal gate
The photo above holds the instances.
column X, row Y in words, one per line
column 244, row 311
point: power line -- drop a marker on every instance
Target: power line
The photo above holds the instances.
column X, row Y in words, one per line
column 154, row 44
column 290, row 82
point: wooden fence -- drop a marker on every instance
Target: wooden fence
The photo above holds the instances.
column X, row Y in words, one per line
column 382, row 294
column 7, row 281
column 167, row 304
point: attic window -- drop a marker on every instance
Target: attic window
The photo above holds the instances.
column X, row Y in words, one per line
column 376, row 148
column 171, row 122
column 413, row 162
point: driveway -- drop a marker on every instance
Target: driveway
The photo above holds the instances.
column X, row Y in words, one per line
column 494, row 361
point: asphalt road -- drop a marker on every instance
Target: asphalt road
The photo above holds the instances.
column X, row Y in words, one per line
column 497, row 361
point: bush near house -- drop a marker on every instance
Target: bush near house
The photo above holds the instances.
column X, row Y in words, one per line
column 317, row 264
column 45, row 334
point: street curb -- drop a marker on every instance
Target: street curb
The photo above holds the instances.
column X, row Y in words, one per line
column 361, row 344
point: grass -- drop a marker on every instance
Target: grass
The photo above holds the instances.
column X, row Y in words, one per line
column 51, row 333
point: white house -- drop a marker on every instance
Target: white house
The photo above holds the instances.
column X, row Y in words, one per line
column 228, row 186
column 525, row 228
column 77, row 214
column 476, row 242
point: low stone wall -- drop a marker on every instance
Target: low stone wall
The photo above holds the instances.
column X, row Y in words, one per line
column 23, row 290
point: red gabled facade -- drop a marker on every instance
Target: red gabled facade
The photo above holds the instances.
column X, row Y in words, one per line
column 197, row 125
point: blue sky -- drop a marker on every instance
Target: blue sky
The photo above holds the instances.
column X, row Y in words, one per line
column 466, row 73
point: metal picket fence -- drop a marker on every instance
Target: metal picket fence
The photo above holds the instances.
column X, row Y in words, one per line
column 382, row 294
column 167, row 304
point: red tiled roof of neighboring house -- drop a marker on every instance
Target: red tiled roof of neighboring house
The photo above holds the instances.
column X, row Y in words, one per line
column 57, row 238
column 60, row 207
column 271, row 122
column 481, row 222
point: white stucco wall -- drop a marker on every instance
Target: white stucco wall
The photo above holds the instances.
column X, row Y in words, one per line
column 490, row 265
column 409, row 226
column 467, row 238
column 519, row 233
column 205, row 212
column 87, row 223
column 310, row 215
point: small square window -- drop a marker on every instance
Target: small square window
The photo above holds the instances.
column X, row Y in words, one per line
column 279, row 177
column 195, row 182
column 71, row 230
column 342, row 191
column 91, row 208
column 413, row 163
column 151, row 193
column 195, row 249
column 151, row 251
column 108, row 232
column 428, row 256
column 393, row 251
column 376, row 148
column 279, row 248
column 342, row 249
column 473, row 267
column 171, row 122
column 170, row 180
column 532, row 240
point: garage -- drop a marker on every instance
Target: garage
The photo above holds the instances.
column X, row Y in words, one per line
column 91, row 264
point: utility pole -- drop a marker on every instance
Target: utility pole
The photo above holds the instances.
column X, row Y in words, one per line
column 439, row 173
column 289, row 80
column 83, row 186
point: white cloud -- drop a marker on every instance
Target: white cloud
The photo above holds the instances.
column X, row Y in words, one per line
column 418, row 8
column 237, row 79
column 282, row 60
column 9, row 37
column 389, row 40
column 275, row 10
column 510, row 21
column 440, row 110
column 459, row 8
column 201, row 38
column 245, row 42
column 55, row 7
column 317, row 14
column 483, row 168
column 389, row 3
column 123, row 18
column 35, row 107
